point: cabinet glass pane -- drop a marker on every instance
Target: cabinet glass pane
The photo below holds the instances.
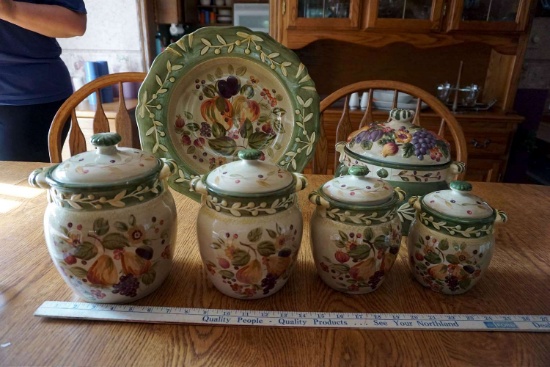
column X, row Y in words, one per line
column 405, row 9
column 490, row 10
column 323, row 8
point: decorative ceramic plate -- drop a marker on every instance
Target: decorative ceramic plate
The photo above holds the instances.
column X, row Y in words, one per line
column 223, row 89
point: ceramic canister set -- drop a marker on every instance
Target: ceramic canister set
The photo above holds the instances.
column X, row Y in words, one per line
column 110, row 225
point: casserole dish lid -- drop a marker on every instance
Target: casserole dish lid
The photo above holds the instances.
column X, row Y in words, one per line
column 399, row 141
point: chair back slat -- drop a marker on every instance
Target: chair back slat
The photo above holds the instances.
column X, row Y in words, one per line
column 77, row 142
column 123, row 123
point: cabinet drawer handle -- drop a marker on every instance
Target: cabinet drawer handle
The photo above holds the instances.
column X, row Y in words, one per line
column 479, row 145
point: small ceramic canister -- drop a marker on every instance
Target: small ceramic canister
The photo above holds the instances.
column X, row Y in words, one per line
column 451, row 239
column 355, row 231
column 249, row 227
column 110, row 224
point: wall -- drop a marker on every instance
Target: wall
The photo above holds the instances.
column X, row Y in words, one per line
column 113, row 34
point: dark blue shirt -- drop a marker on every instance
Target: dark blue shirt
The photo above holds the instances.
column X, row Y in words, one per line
column 31, row 70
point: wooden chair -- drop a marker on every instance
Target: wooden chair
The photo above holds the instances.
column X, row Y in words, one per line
column 447, row 123
column 124, row 125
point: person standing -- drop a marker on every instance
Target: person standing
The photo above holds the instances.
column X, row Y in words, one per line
column 34, row 81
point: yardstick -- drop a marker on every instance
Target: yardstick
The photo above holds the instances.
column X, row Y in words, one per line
column 204, row 316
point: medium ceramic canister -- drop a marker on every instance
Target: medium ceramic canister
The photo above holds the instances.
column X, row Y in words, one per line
column 249, row 226
column 451, row 239
column 355, row 231
column 402, row 153
column 110, row 224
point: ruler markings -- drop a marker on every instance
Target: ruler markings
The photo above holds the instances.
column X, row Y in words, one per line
column 203, row 316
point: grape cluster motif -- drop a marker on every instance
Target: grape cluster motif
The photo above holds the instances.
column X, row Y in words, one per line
column 127, row 286
column 409, row 141
column 422, row 141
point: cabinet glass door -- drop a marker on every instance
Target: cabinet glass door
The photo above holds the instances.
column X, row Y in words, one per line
column 497, row 15
column 404, row 9
column 328, row 14
column 323, row 8
column 405, row 14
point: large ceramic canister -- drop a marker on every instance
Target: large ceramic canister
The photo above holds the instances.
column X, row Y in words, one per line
column 451, row 240
column 402, row 153
column 355, row 231
column 110, row 224
column 249, row 227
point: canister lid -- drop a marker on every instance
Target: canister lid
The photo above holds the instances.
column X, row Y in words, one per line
column 357, row 188
column 458, row 202
column 248, row 175
column 107, row 165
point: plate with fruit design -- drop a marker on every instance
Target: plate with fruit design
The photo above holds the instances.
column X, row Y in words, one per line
column 219, row 90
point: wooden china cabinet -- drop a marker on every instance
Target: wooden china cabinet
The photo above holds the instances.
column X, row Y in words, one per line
column 420, row 42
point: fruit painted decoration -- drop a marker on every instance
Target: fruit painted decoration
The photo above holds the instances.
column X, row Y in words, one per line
column 103, row 271
column 398, row 140
column 235, row 113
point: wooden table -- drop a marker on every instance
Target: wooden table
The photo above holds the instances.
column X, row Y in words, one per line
column 518, row 282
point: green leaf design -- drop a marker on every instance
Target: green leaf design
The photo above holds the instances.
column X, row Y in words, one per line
column 246, row 129
column 368, row 234
column 114, row 241
column 226, row 273
column 341, row 244
column 259, row 140
column 420, row 265
column 193, row 126
column 240, row 258
column 101, row 226
column 191, row 149
column 278, row 111
column 408, row 150
column 360, row 252
column 220, row 105
column 380, row 242
column 453, row 259
column 443, row 147
column 121, row 226
column 209, row 91
column 132, row 220
column 432, row 258
column 86, row 251
column 223, row 145
column 255, row 234
column 149, row 277
column 247, row 90
column 79, row 272
column 340, row 268
column 343, row 235
column 366, row 144
column 218, row 130
column 266, row 248
column 241, row 71
column 443, row 245
column 271, row 233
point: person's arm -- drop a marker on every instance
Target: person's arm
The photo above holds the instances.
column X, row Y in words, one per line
column 48, row 20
